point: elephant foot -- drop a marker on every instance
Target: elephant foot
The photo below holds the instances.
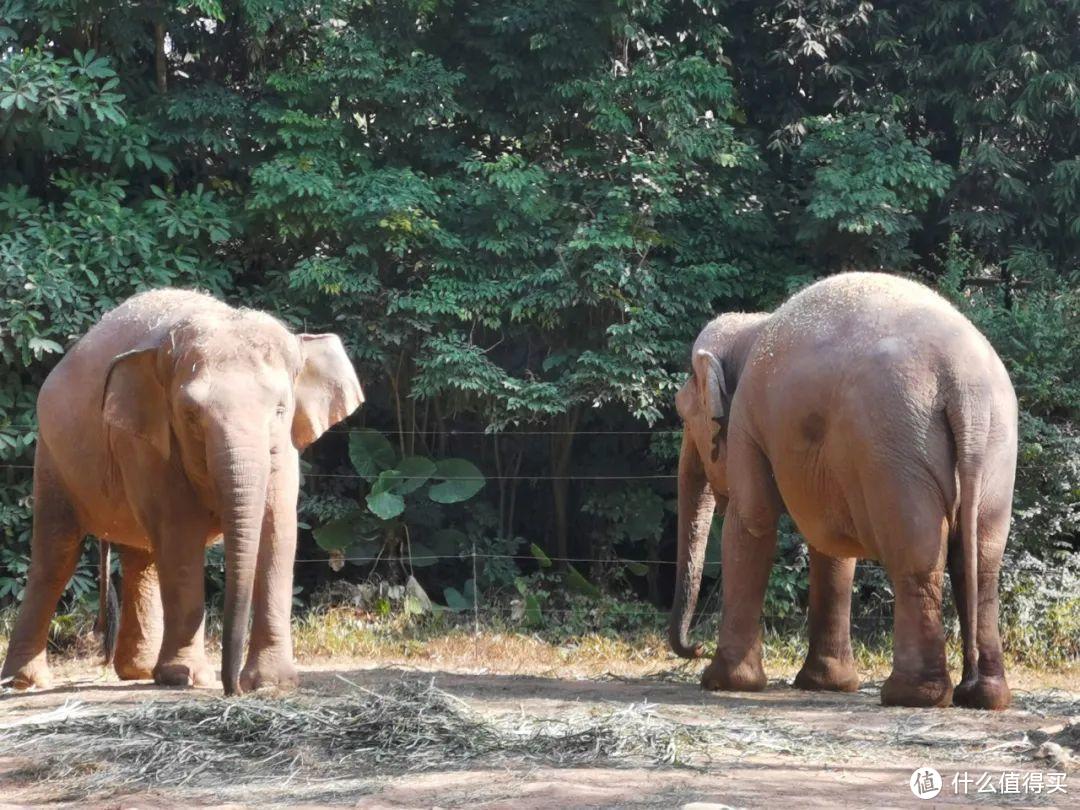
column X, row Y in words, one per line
column 269, row 673
column 180, row 672
column 32, row 675
column 987, row 692
column 828, row 674
column 133, row 670
column 747, row 675
column 933, row 691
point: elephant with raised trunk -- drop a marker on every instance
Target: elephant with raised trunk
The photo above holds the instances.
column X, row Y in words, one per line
column 884, row 423
column 175, row 420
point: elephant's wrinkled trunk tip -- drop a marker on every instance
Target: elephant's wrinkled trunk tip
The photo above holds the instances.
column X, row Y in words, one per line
column 680, row 644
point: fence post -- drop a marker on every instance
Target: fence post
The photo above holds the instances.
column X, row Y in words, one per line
column 475, row 593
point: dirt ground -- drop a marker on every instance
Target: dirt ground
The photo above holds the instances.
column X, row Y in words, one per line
column 783, row 746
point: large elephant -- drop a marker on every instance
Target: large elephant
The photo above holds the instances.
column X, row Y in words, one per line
column 174, row 420
column 885, row 424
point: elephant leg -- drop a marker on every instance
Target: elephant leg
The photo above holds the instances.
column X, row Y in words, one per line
column 270, row 651
column 920, row 676
column 748, row 544
column 983, row 685
column 746, row 560
column 911, row 537
column 829, row 665
column 180, row 553
column 141, row 617
column 54, row 553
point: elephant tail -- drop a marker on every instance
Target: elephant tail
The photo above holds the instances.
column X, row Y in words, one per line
column 970, row 441
column 108, row 605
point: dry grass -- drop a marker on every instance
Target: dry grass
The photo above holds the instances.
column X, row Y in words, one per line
column 411, row 726
column 345, row 634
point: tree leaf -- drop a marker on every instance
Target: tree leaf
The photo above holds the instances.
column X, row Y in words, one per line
column 541, row 557
column 337, row 534
column 576, row 582
column 409, row 474
column 460, row 480
column 386, row 505
column 455, row 600
column 533, row 616
column 370, row 453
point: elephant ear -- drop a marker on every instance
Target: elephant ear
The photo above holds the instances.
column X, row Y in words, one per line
column 326, row 391
column 134, row 399
column 712, row 384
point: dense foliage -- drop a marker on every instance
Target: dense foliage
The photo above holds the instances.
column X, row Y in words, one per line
column 518, row 213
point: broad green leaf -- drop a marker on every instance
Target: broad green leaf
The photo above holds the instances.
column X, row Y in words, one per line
column 533, row 616
column 636, row 568
column 460, row 480
column 410, row 474
column 576, row 582
column 337, row 534
column 386, row 505
column 541, row 557
column 455, row 600
column 370, row 452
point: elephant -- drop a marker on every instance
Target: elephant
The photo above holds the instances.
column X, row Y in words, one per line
column 174, row 421
column 883, row 422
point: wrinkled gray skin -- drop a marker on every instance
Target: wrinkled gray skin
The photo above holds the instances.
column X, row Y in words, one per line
column 177, row 419
column 885, row 424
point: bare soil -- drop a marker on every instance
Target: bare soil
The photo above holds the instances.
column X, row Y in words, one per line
column 792, row 748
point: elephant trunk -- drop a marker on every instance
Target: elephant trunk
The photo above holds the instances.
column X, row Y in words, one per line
column 242, row 476
column 696, row 506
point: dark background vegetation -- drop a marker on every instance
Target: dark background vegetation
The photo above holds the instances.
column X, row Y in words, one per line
column 517, row 214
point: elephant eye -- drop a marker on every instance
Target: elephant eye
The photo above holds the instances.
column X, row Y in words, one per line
column 280, row 411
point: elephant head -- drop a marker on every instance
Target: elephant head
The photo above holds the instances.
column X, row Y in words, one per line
column 704, row 403
column 235, row 395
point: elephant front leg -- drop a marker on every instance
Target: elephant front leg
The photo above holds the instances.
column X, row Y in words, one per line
column 182, row 660
column 141, row 618
column 270, row 651
column 746, row 560
column 830, row 665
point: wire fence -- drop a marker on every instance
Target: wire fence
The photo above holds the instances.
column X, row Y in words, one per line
column 501, row 433
column 520, row 477
column 708, row 604
column 473, row 557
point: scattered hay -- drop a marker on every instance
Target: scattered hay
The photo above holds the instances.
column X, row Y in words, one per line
column 1046, row 702
column 413, row 726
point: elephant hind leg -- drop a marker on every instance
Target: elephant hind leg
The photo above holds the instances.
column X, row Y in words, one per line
column 913, row 538
column 54, row 552
column 830, row 664
column 141, row 621
column 920, row 676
